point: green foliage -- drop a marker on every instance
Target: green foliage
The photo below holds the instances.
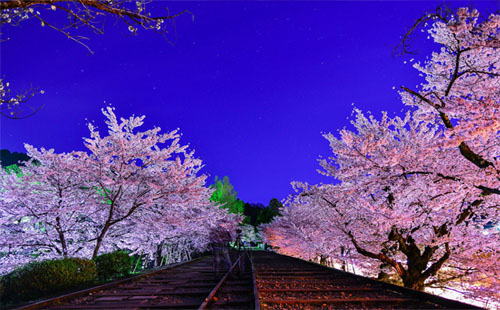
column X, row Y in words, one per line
column 40, row 279
column 137, row 263
column 8, row 159
column 236, row 207
column 102, row 193
column 247, row 220
column 267, row 214
column 225, row 196
column 14, row 169
column 251, row 212
column 257, row 213
column 114, row 264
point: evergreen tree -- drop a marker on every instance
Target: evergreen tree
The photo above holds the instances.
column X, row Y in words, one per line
column 7, row 158
column 225, row 196
column 267, row 214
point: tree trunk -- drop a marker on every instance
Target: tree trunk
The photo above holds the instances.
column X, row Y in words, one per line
column 322, row 260
column 62, row 239
column 99, row 240
column 416, row 283
column 382, row 275
column 158, row 255
column 97, row 246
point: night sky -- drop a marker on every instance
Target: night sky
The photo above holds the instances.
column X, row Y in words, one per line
column 251, row 85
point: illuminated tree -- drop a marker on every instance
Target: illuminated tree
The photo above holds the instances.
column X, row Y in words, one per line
column 396, row 207
column 225, row 196
column 417, row 193
column 127, row 193
column 42, row 208
column 141, row 181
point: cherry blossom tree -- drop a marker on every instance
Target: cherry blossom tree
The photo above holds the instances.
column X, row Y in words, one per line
column 461, row 90
column 180, row 225
column 141, row 182
column 43, row 208
column 297, row 232
column 396, row 207
column 418, row 192
column 127, row 193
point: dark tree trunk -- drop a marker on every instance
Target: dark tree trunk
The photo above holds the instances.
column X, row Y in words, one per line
column 416, row 283
column 97, row 246
column 62, row 239
column 99, row 240
column 158, row 254
column 382, row 275
column 322, row 260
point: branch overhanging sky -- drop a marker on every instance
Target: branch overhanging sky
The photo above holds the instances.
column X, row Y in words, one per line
column 251, row 85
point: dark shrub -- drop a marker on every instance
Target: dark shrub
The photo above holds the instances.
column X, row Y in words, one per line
column 114, row 264
column 1, row 288
column 40, row 279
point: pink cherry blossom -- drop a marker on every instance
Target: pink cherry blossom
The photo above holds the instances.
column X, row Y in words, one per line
column 419, row 194
column 127, row 193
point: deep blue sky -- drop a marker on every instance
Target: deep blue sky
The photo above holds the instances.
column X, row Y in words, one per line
column 251, row 85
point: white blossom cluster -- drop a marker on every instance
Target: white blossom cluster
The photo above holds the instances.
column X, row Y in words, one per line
column 15, row 16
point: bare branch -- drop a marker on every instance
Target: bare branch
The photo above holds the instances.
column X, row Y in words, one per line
column 442, row 13
column 14, row 106
column 80, row 13
column 381, row 256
